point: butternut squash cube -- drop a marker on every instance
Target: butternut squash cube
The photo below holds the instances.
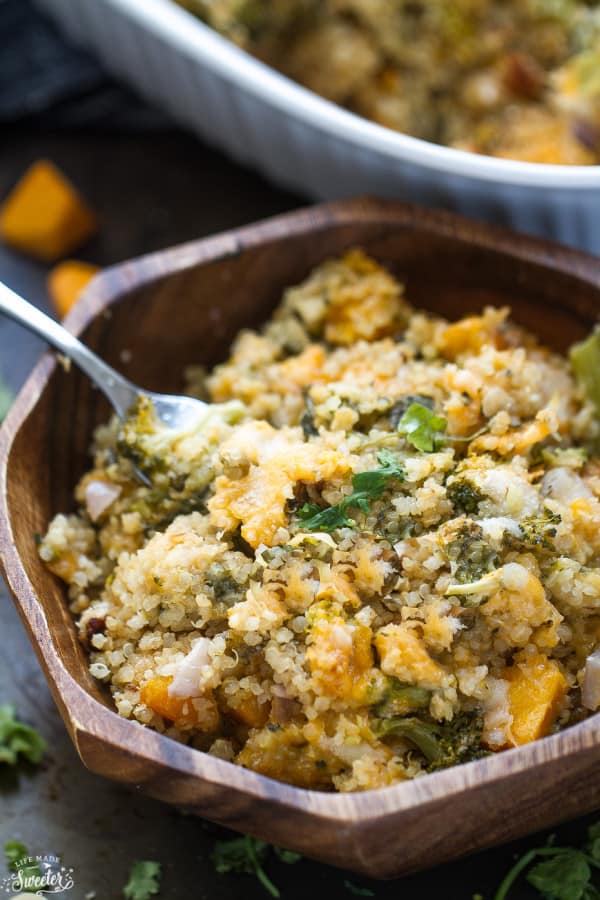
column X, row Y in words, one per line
column 536, row 688
column 44, row 216
column 66, row 281
column 197, row 712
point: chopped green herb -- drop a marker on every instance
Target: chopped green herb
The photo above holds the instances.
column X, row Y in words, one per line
column 423, row 428
column 144, row 880
column 18, row 740
column 6, row 399
column 245, row 855
column 358, row 891
column 400, row 407
column 367, row 486
column 559, row 873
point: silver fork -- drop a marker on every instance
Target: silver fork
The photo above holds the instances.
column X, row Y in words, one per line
column 173, row 410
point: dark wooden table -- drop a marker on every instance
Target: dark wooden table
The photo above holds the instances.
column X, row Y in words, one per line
column 152, row 191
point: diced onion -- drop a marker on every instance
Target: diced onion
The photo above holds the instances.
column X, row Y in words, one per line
column 590, row 690
column 188, row 680
column 565, row 486
column 99, row 495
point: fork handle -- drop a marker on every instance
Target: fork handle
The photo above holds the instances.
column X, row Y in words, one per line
column 120, row 392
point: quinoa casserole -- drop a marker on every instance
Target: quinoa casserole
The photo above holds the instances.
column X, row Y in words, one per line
column 518, row 79
column 376, row 555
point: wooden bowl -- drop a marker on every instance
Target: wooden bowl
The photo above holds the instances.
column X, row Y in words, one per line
column 152, row 317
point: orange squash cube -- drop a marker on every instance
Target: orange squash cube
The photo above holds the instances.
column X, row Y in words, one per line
column 44, row 215
column 199, row 712
column 66, row 281
column 536, row 688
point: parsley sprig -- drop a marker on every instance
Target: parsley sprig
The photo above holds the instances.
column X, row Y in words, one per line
column 247, row 855
column 562, row 873
column 423, row 428
column 368, row 486
column 17, row 740
column 144, row 880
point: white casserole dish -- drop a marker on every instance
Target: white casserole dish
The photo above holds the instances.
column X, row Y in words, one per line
column 308, row 144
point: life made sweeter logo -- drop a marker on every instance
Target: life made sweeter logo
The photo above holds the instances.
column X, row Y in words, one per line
column 38, row 876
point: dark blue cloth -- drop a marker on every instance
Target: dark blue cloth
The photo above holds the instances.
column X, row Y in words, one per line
column 45, row 80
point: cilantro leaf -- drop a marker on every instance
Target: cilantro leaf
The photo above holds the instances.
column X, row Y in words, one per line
column 593, row 842
column 562, row 873
column 244, row 855
column 144, row 880
column 562, row 877
column 422, row 428
column 6, row 399
column 18, row 740
column 316, row 519
column 367, row 486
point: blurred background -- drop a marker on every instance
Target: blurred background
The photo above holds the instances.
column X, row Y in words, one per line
column 150, row 185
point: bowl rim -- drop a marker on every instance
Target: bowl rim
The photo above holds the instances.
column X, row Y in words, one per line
column 193, row 38
column 89, row 720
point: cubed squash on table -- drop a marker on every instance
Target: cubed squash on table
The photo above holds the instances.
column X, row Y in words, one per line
column 66, row 281
column 536, row 689
column 44, row 215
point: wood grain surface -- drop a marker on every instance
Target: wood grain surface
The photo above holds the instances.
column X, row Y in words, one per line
column 184, row 305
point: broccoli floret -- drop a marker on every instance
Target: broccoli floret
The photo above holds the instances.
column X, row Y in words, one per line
column 470, row 555
column 400, row 698
column 464, row 496
column 155, row 449
column 442, row 744
column 423, row 734
column 539, row 531
column 459, row 742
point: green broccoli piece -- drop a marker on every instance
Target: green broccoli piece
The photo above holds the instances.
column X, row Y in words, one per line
column 460, row 741
column 400, row 698
column 442, row 744
column 539, row 531
column 464, row 496
column 153, row 447
column 424, row 735
column 470, row 555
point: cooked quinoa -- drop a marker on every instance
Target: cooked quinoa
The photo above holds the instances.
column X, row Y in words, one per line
column 518, row 79
column 376, row 556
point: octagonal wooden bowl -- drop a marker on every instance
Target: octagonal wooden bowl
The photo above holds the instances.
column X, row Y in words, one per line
column 150, row 318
